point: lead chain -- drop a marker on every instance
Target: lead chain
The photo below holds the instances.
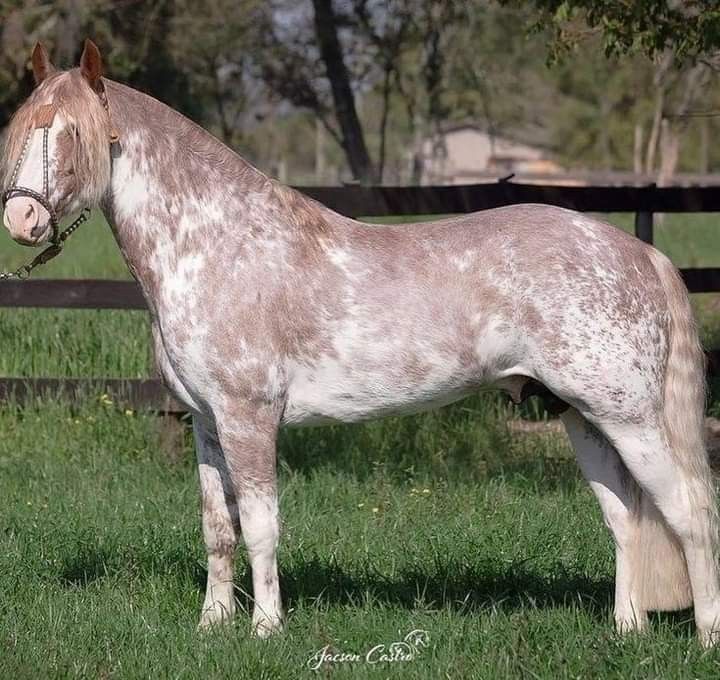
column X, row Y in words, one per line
column 50, row 252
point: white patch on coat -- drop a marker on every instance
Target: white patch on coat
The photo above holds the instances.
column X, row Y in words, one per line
column 184, row 279
column 130, row 184
column 31, row 172
column 463, row 262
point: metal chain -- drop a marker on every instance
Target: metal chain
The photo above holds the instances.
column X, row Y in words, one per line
column 50, row 252
column 21, row 157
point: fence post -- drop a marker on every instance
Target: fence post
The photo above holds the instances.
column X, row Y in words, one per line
column 172, row 436
column 644, row 226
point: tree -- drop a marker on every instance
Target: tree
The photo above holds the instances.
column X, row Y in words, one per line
column 682, row 37
column 133, row 36
column 688, row 28
column 362, row 46
column 306, row 59
column 331, row 52
column 211, row 42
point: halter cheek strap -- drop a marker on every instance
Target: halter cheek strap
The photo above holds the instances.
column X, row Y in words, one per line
column 43, row 119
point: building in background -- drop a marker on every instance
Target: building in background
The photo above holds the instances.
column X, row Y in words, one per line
column 467, row 153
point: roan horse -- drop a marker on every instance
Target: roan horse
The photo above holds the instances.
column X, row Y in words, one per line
column 269, row 309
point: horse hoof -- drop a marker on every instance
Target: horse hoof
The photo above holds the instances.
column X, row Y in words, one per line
column 626, row 625
column 267, row 627
column 215, row 615
column 709, row 638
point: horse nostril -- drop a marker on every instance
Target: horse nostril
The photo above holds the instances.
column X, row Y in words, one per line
column 29, row 212
column 38, row 230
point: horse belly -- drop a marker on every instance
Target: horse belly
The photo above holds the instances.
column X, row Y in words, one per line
column 333, row 393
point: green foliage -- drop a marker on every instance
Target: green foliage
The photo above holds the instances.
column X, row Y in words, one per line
column 690, row 28
column 250, row 73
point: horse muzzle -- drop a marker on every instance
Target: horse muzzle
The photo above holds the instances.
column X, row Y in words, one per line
column 27, row 220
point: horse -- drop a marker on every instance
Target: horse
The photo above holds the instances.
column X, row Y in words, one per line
column 268, row 309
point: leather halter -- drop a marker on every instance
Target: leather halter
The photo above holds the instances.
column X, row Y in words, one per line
column 43, row 119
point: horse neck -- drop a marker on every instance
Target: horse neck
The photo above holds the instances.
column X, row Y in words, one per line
column 175, row 189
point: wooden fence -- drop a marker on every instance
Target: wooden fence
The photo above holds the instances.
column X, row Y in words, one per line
column 356, row 201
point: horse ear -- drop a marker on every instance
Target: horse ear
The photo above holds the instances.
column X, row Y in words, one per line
column 41, row 65
column 91, row 66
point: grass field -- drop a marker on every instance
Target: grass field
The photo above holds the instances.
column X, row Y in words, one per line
column 440, row 522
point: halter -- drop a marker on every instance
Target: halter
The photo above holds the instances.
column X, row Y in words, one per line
column 44, row 117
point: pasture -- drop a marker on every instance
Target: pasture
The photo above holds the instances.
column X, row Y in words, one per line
column 440, row 522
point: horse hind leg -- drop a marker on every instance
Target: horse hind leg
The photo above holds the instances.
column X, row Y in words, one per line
column 685, row 498
column 665, row 453
column 620, row 502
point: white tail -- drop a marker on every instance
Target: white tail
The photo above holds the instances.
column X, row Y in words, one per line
column 661, row 575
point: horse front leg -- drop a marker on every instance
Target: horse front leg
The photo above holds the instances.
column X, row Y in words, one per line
column 220, row 526
column 249, row 445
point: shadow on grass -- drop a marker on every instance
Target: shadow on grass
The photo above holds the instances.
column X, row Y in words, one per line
column 86, row 567
column 462, row 590
column 466, row 441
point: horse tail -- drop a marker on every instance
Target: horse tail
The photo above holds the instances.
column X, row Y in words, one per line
column 662, row 581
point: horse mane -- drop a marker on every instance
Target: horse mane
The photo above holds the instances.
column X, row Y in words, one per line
column 81, row 107
column 224, row 163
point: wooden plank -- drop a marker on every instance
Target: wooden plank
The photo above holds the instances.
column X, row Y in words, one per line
column 138, row 394
column 356, row 201
column 106, row 294
column 148, row 394
column 72, row 294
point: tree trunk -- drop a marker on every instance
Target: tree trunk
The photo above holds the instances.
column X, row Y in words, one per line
column 637, row 150
column 386, row 90
column 331, row 52
column 68, row 31
column 654, row 137
column 694, row 81
column 669, row 153
column 704, row 146
column 662, row 69
column 319, row 152
column 605, row 150
column 417, row 166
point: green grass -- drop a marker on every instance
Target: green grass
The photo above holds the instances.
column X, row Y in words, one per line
column 89, row 253
column 440, row 522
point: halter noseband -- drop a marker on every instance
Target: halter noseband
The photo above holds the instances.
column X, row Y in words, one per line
column 44, row 117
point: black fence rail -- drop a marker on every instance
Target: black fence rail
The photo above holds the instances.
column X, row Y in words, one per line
column 357, row 201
